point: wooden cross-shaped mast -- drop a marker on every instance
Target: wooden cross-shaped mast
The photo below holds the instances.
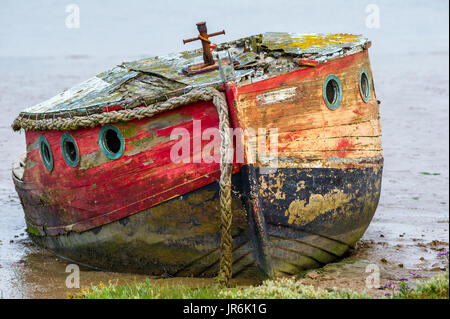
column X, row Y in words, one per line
column 204, row 37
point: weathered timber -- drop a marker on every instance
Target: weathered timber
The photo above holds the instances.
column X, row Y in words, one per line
column 145, row 213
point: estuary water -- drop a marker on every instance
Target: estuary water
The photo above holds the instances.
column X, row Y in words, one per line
column 40, row 57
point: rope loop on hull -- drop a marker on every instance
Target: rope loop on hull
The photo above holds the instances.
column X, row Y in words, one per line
column 226, row 149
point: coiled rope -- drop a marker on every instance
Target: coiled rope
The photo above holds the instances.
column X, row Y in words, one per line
column 226, row 150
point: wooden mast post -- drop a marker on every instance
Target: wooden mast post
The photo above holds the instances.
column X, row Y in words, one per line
column 209, row 64
column 206, row 43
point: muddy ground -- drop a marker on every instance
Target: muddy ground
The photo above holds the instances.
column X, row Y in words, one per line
column 411, row 225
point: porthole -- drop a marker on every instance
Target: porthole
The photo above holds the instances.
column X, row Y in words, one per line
column 69, row 150
column 111, row 141
column 364, row 85
column 46, row 153
column 332, row 92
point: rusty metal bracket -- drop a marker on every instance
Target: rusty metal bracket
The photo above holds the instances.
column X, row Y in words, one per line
column 209, row 64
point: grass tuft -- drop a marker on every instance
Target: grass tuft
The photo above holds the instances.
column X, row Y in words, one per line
column 282, row 288
column 435, row 288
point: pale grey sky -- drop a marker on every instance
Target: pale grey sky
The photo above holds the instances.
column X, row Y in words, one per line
column 130, row 28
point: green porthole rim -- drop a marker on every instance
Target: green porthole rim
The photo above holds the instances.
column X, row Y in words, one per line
column 67, row 137
column 104, row 147
column 366, row 97
column 332, row 105
column 47, row 160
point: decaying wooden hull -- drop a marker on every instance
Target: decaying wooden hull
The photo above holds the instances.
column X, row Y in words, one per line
column 143, row 212
column 311, row 217
column 177, row 237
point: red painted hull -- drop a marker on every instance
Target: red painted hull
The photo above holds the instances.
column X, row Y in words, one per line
column 80, row 199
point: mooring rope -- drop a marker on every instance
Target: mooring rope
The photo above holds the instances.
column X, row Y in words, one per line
column 226, row 150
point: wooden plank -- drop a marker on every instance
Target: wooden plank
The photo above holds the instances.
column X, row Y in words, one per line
column 293, row 104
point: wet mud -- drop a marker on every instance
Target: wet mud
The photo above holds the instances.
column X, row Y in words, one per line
column 408, row 235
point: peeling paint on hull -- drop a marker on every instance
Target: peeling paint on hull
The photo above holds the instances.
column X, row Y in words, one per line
column 180, row 237
column 323, row 212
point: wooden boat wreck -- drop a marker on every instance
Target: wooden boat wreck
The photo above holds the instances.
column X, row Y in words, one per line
column 98, row 185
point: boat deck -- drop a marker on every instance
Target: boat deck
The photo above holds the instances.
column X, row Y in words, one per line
column 158, row 78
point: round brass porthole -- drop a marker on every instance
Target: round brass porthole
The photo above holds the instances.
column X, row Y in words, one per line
column 364, row 85
column 332, row 92
column 46, row 153
column 69, row 150
column 111, row 141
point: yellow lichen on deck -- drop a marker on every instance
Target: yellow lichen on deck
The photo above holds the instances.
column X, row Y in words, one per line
column 318, row 40
column 308, row 41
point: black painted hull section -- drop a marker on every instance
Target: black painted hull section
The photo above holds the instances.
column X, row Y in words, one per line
column 313, row 215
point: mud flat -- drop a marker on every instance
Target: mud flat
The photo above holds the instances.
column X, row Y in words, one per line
column 410, row 67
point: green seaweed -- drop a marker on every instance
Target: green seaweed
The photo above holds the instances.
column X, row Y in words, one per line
column 32, row 230
column 428, row 173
